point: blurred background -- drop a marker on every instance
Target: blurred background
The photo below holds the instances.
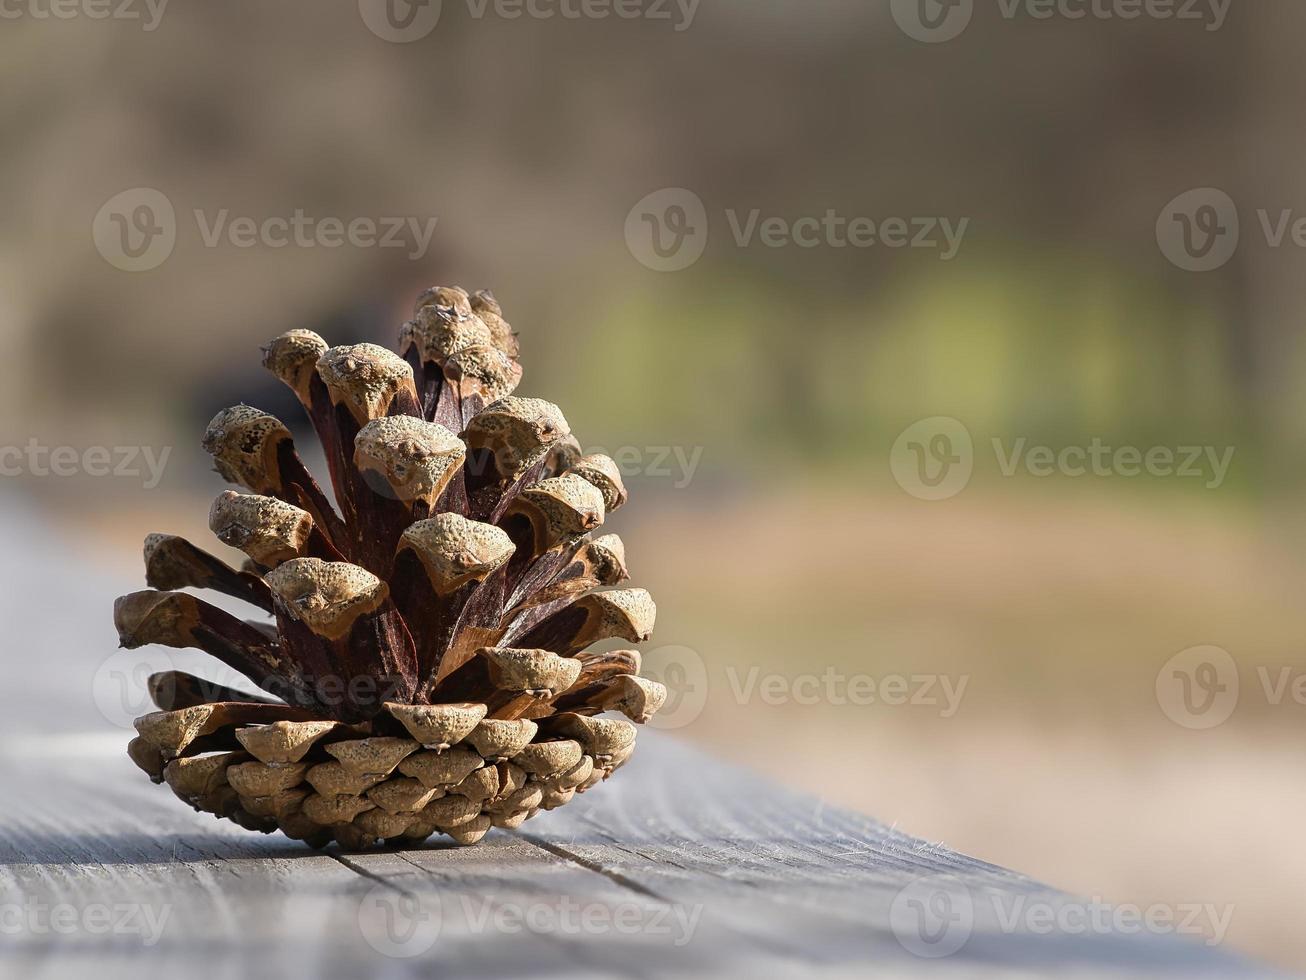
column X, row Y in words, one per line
column 952, row 353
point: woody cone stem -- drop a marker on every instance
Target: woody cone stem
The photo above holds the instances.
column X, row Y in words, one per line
column 422, row 641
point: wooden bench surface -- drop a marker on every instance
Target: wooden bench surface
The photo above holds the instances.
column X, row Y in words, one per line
column 678, row 866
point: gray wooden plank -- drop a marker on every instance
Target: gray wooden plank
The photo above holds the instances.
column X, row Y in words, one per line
column 89, row 832
column 680, row 866
column 819, row 884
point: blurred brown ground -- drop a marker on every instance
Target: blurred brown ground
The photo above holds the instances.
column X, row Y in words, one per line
column 793, row 370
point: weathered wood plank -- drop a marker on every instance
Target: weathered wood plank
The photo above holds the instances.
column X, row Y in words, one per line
column 679, row 867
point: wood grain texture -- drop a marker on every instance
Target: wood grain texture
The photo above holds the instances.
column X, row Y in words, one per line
column 680, row 866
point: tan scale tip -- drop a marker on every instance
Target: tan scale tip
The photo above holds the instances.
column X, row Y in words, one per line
column 329, row 810
column 255, row 779
column 439, row 334
column 471, row 832
column 327, row 596
column 381, row 824
column 518, row 431
column 147, row 758
column 365, row 378
column 293, row 358
column 502, row 739
column 560, row 507
column 574, row 776
column 378, row 755
column 638, row 698
column 545, row 759
column 282, row 741
column 268, row 530
column 164, row 569
column 438, row 726
column 452, row 298
column 523, row 798
column 539, row 673
column 602, row 737
column 608, row 553
column 449, row 812
column 168, row 618
column 627, row 613
column 243, row 442
column 441, row 769
column 333, row 779
column 455, row 550
column 555, row 798
column 416, row 459
column 485, row 371
column 171, row 731
column 195, row 778
column 480, row 785
column 602, row 472
column 401, row 795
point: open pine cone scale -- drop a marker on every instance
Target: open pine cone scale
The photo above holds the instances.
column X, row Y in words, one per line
column 427, row 663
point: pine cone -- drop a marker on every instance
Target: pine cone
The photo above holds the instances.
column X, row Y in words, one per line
column 428, row 659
